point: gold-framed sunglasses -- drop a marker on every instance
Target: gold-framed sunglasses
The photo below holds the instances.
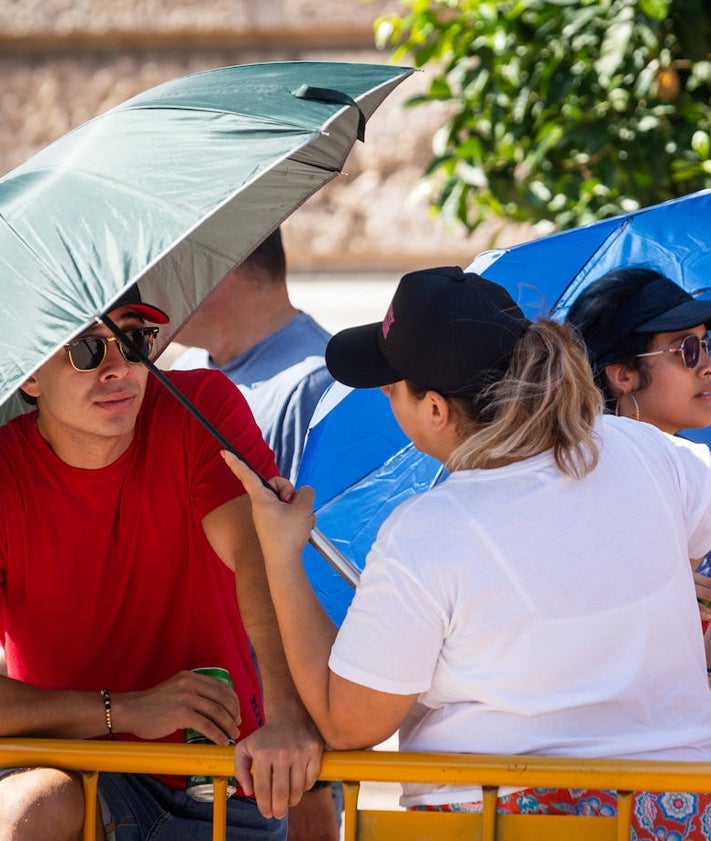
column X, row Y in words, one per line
column 689, row 350
column 87, row 353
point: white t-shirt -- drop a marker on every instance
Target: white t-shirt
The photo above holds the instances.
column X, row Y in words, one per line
column 539, row 614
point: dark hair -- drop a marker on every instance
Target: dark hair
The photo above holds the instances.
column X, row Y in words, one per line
column 594, row 311
column 268, row 258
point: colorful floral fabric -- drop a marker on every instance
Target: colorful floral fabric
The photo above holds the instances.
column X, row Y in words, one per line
column 666, row 816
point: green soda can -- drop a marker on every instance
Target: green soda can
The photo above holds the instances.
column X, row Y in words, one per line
column 200, row 787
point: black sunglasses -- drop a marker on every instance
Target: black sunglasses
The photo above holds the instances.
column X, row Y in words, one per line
column 689, row 350
column 87, row 353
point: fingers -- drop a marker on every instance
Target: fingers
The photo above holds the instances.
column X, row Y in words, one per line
column 216, row 709
column 276, row 770
column 253, row 483
column 266, row 510
column 278, row 784
column 243, row 773
column 186, row 700
column 703, row 585
column 250, row 480
column 703, row 594
column 284, row 488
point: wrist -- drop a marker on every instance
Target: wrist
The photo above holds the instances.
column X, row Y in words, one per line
column 108, row 712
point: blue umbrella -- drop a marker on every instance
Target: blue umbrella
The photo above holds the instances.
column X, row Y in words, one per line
column 361, row 465
column 546, row 275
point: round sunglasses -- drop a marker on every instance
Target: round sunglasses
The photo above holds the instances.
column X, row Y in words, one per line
column 689, row 350
column 87, row 353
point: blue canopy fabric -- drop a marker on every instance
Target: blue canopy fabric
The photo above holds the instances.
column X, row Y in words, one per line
column 361, row 466
column 544, row 276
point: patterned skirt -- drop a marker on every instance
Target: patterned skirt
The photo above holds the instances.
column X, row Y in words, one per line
column 665, row 816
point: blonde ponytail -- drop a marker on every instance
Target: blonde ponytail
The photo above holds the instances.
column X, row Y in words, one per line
column 546, row 400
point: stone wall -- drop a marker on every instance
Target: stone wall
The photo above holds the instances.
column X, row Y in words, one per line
column 64, row 61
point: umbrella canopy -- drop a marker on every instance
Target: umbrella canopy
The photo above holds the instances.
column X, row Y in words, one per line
column 545, row 276
column 173, row 188
column 361, row 466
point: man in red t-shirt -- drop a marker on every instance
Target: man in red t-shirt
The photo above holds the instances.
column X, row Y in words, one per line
column 127, row 559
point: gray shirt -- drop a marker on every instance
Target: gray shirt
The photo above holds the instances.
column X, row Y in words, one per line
column 282, row 377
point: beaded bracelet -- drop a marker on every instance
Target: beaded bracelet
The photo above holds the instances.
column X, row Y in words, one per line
column 106, row 698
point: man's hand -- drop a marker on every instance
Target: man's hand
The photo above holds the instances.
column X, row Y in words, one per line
column 187, row 699
column 277, row 764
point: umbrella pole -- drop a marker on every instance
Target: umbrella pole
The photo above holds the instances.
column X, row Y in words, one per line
column 333, row 556
column 318, row 540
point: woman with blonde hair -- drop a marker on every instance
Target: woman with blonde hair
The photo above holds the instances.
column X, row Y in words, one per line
column 538, row 601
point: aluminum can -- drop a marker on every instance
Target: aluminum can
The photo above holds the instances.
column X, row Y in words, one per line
column 200, row 787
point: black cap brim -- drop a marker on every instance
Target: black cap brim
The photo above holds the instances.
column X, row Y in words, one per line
column 687, row 314
column 354, row 358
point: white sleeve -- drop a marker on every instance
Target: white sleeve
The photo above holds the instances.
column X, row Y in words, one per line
column 695, row 462
column 392, row 635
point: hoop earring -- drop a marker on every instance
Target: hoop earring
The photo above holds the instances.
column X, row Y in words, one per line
column 634, row 401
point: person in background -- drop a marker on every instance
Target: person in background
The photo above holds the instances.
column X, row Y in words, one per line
column 494, row 614
column 122, row 570
column 647, row 342
column 249, row 330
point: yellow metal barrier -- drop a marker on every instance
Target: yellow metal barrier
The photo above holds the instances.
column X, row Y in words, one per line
column 623, row 776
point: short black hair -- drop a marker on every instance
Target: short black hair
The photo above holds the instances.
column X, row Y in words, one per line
column 268, row 257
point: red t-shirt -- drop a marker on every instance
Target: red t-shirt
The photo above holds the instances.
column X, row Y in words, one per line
column 106, row 576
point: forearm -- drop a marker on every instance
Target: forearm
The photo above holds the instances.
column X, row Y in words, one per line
column 28, row 711
column 230, row 531
column 260, row 622
column 349, row 715
column 307, row 634
column 186, row 699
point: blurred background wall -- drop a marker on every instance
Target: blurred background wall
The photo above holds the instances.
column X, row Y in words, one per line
column 64, row 61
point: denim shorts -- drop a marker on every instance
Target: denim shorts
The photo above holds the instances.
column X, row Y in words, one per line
column 137, row 807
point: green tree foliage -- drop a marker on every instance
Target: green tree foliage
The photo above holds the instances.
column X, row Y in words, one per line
column 561, row 110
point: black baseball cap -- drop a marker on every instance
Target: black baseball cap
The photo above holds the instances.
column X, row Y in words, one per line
column 132, row 298
column 446, row 330
column 658, row 306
